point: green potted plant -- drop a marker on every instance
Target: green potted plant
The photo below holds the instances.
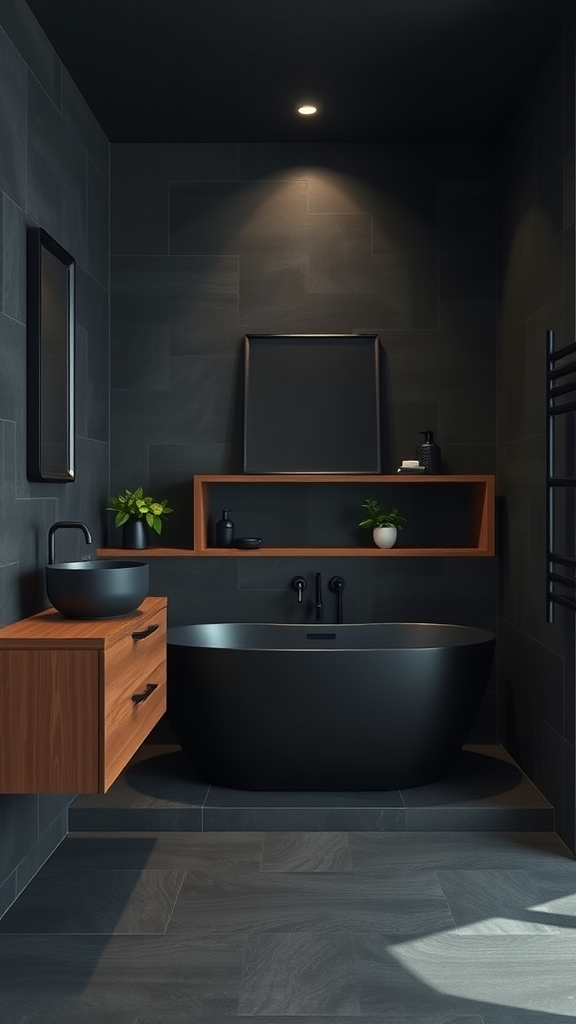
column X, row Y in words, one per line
column 384, row 525
column 136, row 511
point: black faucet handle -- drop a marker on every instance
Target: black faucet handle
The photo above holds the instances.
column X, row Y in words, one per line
column 299, row 584
column 337, row 584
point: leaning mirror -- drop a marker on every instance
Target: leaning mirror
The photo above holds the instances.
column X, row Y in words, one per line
column 50, row 371
column 311, row 403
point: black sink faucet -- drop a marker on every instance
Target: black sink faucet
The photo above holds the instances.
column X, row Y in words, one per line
column 319, row 605
column 65, row 525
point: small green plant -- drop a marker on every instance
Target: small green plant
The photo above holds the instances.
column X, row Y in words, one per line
column 378, row 517
column 135, row 505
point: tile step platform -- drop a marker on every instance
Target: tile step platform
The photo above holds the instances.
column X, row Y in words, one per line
column 159, row 791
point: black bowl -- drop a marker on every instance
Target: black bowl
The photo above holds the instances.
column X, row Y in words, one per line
column 98, row 589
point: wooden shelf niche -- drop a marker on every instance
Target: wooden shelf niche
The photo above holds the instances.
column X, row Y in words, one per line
column 300, row 515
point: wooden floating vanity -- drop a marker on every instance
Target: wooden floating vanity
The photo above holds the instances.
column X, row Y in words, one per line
column 78, row 697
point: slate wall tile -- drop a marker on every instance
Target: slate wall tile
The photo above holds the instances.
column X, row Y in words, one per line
column 140, row 177
column 56, row 184
column 14, row 260
column 34, row 48
column 43, row 183
column 13, row 122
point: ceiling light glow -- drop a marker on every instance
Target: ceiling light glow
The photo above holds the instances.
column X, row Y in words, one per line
column 306, row 109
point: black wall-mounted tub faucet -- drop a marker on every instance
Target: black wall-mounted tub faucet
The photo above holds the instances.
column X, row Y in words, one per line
column 337, row 584
column 299, row 585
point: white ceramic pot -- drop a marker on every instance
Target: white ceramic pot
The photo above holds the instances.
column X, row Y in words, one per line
column 384, row 536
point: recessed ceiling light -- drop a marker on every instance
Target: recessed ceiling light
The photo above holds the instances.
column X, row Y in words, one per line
column 306, row 109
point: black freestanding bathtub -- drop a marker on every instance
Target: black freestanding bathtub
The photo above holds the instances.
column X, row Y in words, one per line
column 375, row 706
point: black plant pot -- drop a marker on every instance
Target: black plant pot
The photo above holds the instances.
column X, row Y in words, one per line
column 135, row 534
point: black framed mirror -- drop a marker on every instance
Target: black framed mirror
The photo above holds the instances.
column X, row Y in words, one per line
column 51, row 322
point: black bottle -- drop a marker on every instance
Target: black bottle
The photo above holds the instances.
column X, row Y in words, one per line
column 224, row 531
column 428, row 453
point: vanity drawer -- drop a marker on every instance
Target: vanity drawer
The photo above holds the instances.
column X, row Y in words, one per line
column 136, row 653
column 134, row 666
column 127, row 722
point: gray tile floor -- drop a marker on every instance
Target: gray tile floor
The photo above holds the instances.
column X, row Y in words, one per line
column 400, row 927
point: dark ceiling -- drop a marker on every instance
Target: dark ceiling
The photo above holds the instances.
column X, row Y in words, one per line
column 234, row 70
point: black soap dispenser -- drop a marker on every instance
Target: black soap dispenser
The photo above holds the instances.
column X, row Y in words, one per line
column 428, row 453
column 224, row 531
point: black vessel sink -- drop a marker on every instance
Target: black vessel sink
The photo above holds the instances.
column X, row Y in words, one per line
column 98, row 589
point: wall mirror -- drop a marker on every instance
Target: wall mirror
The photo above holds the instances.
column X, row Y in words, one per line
column 311, row 403
column 50, row 357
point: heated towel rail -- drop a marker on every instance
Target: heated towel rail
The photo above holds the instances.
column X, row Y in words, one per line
column 567, row 392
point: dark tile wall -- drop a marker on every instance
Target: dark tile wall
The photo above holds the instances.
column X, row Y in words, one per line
column 53, row 174
column 209, row 241
column 537, row 678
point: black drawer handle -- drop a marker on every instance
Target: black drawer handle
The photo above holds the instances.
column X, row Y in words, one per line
column 149, row 688
column 145, row 632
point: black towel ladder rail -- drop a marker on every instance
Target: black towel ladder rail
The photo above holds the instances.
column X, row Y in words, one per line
column 555, row 391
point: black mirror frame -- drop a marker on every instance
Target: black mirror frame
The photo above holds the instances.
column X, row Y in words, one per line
column 38, row 240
